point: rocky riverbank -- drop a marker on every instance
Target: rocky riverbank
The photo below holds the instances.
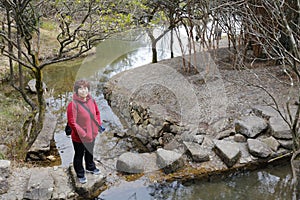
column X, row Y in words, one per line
column 177, row 125
column 190, row 122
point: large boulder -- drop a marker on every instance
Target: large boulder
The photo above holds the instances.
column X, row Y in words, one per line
column 280, row 128
column 40, row 185
column 258, row 148
column 196, row 152
column 169, row 161
column 250, row 126
column 136, row 162
column 42, row 145
column 228, row 151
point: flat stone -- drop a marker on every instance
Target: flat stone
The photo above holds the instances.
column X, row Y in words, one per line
column 198, row 139
column 271, row 142
column 265, row 111
column 40, row 185
column 226, row 133
column 41, row 145
column 280, row 128
column 63, row 188
column 258, row 148
column 136, row 162
column 250, row 126
column 4, row 175
column 240, row 138
column 5, row 168
column 90, row 189
column 228, row 151
column 196, row 152
column 169, row 161
column 287, row 144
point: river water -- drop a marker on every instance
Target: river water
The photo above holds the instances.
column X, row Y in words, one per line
column 112, row 57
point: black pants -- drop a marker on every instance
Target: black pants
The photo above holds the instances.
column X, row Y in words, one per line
column 83, row 150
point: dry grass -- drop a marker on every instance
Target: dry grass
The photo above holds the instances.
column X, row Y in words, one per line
column 13, row 109
column 12, row 114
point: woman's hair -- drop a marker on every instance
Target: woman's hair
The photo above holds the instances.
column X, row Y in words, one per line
column 78, row 84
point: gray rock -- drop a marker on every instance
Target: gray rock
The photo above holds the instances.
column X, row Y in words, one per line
column 89, row 189
column 4, row 185
column 271, row 142
column 240, row 138
column 136, row 162
column 250, row 126
column 220, row 125
column 40, row 185
column 167, row 138
column 3, row 149
column 176, row 129
column 229, row 152
column 265, row 111
column 176, row 146
column 41, row 145
column 151, row 131
column 280, row 128
column 169, row 161
column 196, row 152
column 287, row 144
column 258, row 148
column 63, row 188
column 17, row 183
column 226, row 133
column 198, row 139
column 188, row 136
column 246, row 157
column 4, row 175
column 208, row 143
column 136, row 117
column 4, row 168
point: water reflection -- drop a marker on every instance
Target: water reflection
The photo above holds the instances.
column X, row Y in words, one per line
column 269, row 184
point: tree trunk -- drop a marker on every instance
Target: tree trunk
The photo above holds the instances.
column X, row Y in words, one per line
column 295, row 163
column 171, row 43
column 41, row 103
column 154, row 53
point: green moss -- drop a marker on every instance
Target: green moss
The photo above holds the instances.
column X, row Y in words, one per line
column 2, row 157
column 48, row 25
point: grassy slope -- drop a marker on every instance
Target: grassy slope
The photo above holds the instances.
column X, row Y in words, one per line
column 13, row 109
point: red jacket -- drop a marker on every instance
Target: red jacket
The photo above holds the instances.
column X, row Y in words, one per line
column 84, row 128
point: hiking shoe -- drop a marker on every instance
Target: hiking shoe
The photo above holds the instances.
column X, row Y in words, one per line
column 95, row 171
column 82, row 180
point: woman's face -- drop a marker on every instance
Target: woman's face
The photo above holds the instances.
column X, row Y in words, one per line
column 83, row 91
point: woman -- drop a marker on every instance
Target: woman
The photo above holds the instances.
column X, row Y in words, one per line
column 84, row 119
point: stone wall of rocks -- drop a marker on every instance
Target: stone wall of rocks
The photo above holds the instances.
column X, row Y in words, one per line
column 262, row 135
column 152, row 117
column 152, row 130
column 153, row 124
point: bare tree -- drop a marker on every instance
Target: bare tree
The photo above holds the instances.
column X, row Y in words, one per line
column 272, row 30
column 81, row 26
column 275, row 29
